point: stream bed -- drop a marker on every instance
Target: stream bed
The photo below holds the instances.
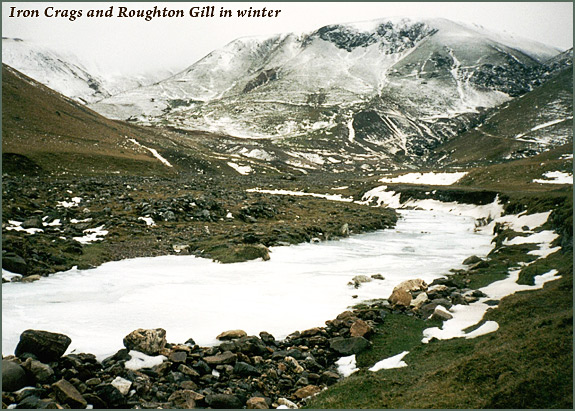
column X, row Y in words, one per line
column 301, row 287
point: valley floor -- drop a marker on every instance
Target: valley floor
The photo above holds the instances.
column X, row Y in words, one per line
column 51, row 224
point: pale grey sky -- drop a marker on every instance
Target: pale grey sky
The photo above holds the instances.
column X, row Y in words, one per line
column 132, row 44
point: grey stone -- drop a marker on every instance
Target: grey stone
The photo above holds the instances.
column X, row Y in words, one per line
column 13, row 376
column 349, row 346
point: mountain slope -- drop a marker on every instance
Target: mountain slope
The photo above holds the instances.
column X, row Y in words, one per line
column 387, row 91
column 43, row 130
column 63, row 74
column 533, row 123
column 69, row 76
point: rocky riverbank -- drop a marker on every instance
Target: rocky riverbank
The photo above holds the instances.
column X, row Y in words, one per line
column 51, row 224
column 242, row 371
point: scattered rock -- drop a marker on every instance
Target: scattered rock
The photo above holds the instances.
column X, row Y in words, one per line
column 46, row 346
column 257, row 403
column 14, row 263
column 344, row 230
column 360, row 279
column 480, row 264
column 400, row 297
column 412, row 285
column 178, row 356
column 231, row 334
column 349, row 346
column 245, row 370
column 227, row 357
column 287, row 403
column 68, row 394
column 223, row 401
column 42, row 372
column 440, row 313
column 13, row 376
column 30, row 278
column 360, row 329
column 377, row 277
column 184, row 399
column 110, row 396
column 149, row 342
column 122, row 385
column 418, row 301
column 472, row 260
column 307, row 391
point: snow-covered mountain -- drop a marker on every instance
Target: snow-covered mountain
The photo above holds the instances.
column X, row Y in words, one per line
column 64, row 74
column 395, row 87
column 68, row 75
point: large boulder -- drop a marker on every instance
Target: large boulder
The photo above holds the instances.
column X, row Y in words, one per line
column 46, row 346
column 349, row 346
column 13, row 376
column 149, row 342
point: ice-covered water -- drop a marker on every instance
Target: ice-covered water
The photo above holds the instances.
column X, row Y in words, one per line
column 301, row 287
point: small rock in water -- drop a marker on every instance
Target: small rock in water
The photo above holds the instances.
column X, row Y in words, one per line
column 377, row 277
column 30, row 278
column 360, row 279
column 231, row 334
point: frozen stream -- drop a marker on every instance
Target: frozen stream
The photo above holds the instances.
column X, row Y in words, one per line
column 300, row 287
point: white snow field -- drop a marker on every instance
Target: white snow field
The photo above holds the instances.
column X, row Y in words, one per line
column 301, row 287
column 431, row 178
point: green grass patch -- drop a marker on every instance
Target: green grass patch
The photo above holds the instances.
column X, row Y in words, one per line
column 398, row 333
column 557, row 260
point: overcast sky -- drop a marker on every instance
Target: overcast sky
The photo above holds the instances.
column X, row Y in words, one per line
column 133, row 44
